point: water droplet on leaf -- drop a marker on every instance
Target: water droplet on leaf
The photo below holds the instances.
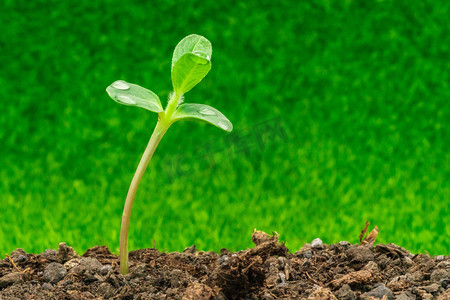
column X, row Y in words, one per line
column 223, row 125
column 207, row 112
column 202, row 55
column 125, row 99
column 120, row 85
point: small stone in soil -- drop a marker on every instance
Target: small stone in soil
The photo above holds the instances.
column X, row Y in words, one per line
column 427, row 296
column 105, row 269
column 50, row 254
column 47, row 286
column 379, row 292
column 54, row 272
column 267, row 296
column 439, row 274
column 345, row 293
column 432, row 288
column 67, row 282
column 17, row 253
column 21, row 258
column 440, row 258
column 223, row 260
column 90, row 264
column 72, row 263
column 443, row 265
column 317, row 244
column 405, row 296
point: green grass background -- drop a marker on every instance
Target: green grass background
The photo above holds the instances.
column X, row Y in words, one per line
column 356, row 95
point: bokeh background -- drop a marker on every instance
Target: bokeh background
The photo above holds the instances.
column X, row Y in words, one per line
column 341, row 114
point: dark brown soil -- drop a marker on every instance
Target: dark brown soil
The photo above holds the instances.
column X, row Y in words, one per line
column 267, row 271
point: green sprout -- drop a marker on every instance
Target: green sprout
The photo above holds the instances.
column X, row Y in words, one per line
column 191, row 62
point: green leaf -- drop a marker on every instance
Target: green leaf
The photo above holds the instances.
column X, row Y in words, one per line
column 134, row 95
column 190, row 44
column 205, row 113
column 188, row 71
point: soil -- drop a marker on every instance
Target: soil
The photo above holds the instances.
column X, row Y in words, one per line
column 266, row 271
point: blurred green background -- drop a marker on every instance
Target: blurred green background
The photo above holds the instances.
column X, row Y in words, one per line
column 341, row 114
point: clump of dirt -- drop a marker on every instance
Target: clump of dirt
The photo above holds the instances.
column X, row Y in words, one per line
column 267, row 271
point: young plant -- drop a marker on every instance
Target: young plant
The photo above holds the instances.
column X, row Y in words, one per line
column 191, row 62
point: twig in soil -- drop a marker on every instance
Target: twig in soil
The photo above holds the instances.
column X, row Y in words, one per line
column 15, row 266
column 245, row 270
column 312, row 279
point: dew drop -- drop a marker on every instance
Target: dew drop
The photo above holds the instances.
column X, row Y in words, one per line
column 120, row 85
column 202, row 55
column 125, row 99
column 207, row 112
column 223, row 125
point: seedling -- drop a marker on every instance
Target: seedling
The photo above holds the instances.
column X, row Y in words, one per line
column 191, row 62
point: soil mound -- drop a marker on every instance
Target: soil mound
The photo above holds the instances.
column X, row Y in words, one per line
column 267, row 271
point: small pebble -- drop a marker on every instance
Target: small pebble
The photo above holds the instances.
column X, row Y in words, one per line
column 345, row 292
column 90, row 264
column 307, row 254
column 427, row 296
column 21, row 258
column 317, row 244
column 378, row 293
column 54, row 272
column 443, row 265
column 282, row 262
column 50, row 254
column 432, row 288
column 223, row 260
column 440, row 258
column 405, row 296
column 408, row 260
column 439, row 274
column 378, row 284
column 68, row 282
column 344, row 243
column 267, row 296
column 72, row 263
column 282, row 277
column 47, row 286
column 105, row 269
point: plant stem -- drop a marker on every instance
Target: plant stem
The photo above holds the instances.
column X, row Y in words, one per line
column 158, row 133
